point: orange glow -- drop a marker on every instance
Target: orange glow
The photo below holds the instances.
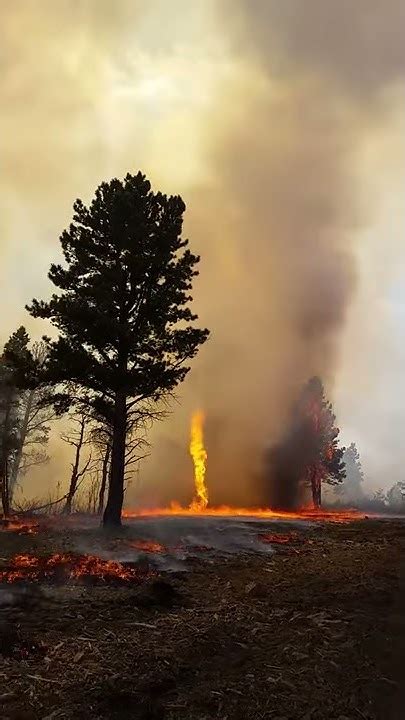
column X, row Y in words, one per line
column 278, row 538
column 150, row 546
column 65, row 567
column 199, row 455
column 21, row 527
column 263, row 513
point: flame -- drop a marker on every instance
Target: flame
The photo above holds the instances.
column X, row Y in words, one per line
column 344, row 516
column 199, row 455
column 67, row 567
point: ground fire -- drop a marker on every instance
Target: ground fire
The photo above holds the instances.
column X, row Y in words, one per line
column 339, row 516
column 68, row 567
column 28, row 526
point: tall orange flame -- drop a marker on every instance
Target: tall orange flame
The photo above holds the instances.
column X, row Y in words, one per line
column 199, row 455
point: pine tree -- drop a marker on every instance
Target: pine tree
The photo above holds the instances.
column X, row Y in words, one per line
column 34, row 418
column 323, row 458
column 309, row 452
column 16, row 369
column 122, row 311
column 351, row 487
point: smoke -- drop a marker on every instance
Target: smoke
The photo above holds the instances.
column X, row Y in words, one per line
column 261, row 114
column 288, row 207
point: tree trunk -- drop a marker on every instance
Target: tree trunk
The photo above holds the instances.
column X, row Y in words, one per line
column 5, row 501
column 23, row 434
column 316, row 489
column 112, row 512
column 75, row 472
column 104, row 477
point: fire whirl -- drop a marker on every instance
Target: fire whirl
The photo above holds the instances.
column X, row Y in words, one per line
column 199, row 455
column 68, row 567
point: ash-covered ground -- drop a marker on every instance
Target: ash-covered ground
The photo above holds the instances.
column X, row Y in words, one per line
column 169, row 542
column 228, row 618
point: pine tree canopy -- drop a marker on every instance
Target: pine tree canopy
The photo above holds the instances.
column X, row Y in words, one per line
column 122, row 301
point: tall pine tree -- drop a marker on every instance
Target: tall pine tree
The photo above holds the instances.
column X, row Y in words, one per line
column 122, row 311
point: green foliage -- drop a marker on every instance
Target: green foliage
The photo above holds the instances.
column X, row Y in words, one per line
column 354, row 476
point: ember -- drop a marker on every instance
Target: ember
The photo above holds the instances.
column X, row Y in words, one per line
column 278, row 539
column 149, row 546
column 61, row 568
column 26, row 527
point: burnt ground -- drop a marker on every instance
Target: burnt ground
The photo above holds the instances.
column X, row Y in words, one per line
column 314, row 631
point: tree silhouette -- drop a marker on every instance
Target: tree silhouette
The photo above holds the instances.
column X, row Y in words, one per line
column 122, row 311
column 34, row 418
column 16, row 370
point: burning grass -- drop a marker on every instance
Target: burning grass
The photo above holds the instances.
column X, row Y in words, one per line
column 68, row 567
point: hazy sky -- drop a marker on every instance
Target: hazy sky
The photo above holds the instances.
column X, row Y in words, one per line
column 281, row 124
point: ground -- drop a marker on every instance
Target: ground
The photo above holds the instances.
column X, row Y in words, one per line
column 313, row 631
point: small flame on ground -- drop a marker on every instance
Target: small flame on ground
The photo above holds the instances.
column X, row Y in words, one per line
column 199, row 455
column 67, row 567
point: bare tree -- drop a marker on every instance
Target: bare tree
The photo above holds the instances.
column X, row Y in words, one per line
column 77, row 438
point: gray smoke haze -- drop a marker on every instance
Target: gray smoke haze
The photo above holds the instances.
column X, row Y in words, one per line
column 262, row 115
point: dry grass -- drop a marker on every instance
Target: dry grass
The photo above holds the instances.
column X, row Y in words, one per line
column 311, row 633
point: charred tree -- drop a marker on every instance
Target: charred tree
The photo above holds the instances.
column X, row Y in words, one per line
column 122, row 311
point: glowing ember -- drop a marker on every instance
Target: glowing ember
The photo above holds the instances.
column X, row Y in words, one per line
column 149, row 546
column 67, row 567
column 344, row 516
column 26, row 527
column 199, row 455
column 278, row 539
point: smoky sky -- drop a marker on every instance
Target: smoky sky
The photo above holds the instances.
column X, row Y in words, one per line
column 265, row 112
